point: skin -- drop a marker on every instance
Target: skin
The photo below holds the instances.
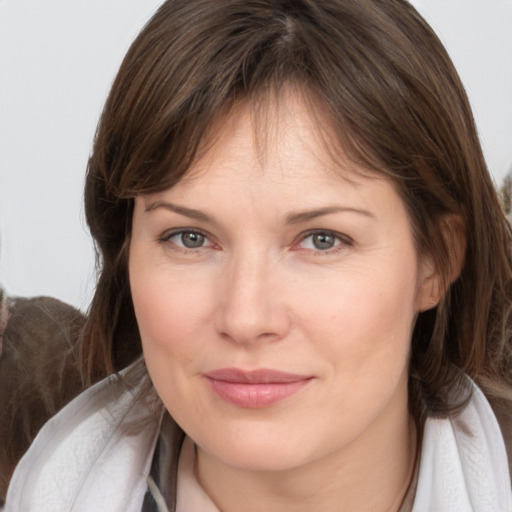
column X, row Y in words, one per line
column 258, row 292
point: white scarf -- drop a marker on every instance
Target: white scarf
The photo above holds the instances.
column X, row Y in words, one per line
column 463, row 463
column 95, row 455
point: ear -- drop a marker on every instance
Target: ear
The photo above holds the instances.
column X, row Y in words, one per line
column 435, row 282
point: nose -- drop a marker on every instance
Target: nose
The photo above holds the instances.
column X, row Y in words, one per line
column 250, row 303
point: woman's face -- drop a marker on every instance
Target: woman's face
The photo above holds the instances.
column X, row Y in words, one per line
column 276, row 298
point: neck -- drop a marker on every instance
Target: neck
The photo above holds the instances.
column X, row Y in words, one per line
column 375, row 479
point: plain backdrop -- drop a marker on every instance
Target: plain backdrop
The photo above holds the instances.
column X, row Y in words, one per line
column 57, row 61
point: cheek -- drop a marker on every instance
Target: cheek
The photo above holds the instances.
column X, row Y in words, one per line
column 159, row 312
column 170, row 319
column 170, row 305
column 169, row 314
column 363, row 319
column 174, row 317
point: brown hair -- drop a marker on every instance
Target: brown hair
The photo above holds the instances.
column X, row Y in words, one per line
column 398, row 107
column 39, row 371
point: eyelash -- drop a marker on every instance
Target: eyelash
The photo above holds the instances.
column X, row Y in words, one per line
column 341, row 241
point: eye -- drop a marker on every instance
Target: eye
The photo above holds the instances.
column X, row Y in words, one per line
column 192, row 239
column 323, row 241
column 188, row 239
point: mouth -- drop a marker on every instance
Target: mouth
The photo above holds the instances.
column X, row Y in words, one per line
column 255, row 389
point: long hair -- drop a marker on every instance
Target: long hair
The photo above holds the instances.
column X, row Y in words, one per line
column 395, row 104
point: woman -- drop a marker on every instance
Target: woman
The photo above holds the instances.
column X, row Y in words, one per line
column 298, row 232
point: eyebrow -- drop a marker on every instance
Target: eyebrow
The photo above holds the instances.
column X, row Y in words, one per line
column 299, row 217
column 290, row 218
column 181, row 210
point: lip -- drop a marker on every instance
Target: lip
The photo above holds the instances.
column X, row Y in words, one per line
column 255, row 389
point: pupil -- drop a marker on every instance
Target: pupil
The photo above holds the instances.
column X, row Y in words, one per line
column 323, row 241
column 192, row 240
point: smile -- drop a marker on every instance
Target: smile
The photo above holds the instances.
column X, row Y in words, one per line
column 255, row 389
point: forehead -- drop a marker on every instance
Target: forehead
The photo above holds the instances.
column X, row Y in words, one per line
column 287, row 129
column 277, row 157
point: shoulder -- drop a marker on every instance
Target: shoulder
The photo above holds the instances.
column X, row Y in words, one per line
column 107, row 430
column 463, row 463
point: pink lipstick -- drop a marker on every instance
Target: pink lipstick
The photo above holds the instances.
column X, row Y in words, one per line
column 255, row 389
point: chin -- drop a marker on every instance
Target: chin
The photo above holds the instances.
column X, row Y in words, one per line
column 259, row 458
column 259, row 448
